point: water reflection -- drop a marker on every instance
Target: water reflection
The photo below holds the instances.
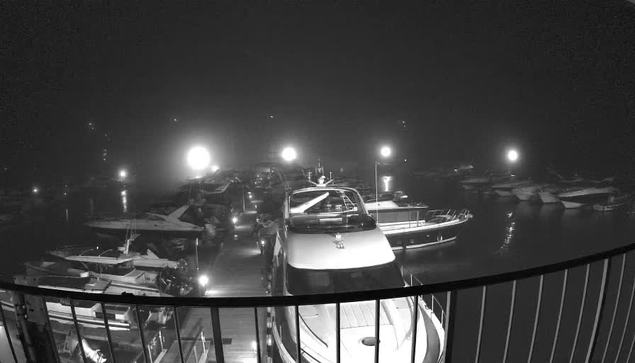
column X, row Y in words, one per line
column 510, row 228
column 124, row 201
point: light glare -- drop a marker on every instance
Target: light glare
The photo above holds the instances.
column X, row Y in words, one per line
column 289, row 154
column 512, row 155
column 198, row 158
column 203, row 280
column 123, row 173
column 385, row 151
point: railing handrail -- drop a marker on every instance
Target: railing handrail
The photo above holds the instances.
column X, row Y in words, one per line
column 266, row 301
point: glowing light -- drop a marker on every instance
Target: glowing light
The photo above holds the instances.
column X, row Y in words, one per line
column 234, row 220
column 123, row 174
column 512, row 155
column 198, row 158
column 385, row 151
column 215, row 168
column 289, row 154
column 123, row 193
column 36, row 190
column 387, row 180
column 203, row 280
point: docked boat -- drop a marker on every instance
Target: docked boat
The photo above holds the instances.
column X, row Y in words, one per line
column 330, row 244
column 182, row 222
column 127, row 272
column 580, row 197
column 529, row 191
column 614, row 202
column 475, row 182
column 505, row 189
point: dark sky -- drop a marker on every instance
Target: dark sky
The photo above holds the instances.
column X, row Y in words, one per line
column 554, row 78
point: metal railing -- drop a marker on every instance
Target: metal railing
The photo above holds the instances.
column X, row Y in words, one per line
column 572, row 311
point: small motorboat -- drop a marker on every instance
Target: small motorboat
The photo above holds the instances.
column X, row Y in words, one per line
column 580, row 197
column 614, row 202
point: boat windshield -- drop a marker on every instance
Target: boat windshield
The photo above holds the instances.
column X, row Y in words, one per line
column 305, row 281
column 328, row 210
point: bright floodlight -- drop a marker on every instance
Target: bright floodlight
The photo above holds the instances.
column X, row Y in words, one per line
column 289, row 154
column 203, row 280
column 36, row 190
column 214, row 168
column 385, row 151
column 512, row 155
column 123, row 173
column 198, row 158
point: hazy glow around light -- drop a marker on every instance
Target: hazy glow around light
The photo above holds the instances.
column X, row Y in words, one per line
column 385, row 151
column 123, row 174
column 36, row 190
column 289, row 154
column 203, row 280
column 198, row 158
column 512, row 155
column 215, row 168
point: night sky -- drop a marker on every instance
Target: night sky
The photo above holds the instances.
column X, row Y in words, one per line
column 555, row 79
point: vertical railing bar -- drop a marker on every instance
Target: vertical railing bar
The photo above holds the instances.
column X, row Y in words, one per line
column 480, row 324
column 49, row 328
column 177, row 326
column 600, row 307
column 450, row 303
column 79, row 336
column 142, row 334
column 108, row 335
column 8, row 333
column 628, row 315
column 415, row 318
column 377, row 320
column 217, row 335
column 536, row 318
column 338, row 327
column 617, row 302
column 577, row 329
column 258, row 349
column 564, row 291
column 628, row 359
column 510, row 320
column 297, row 334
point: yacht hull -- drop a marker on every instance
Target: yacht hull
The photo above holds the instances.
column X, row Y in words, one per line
column 548, row 198
column 411, row 238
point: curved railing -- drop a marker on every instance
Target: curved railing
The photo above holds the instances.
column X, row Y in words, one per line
column 539, row 314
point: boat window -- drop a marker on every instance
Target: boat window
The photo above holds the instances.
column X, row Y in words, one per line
column 192, row 215
column 305, row 281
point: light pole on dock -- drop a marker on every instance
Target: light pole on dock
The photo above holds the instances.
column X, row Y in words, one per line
column 384, row 152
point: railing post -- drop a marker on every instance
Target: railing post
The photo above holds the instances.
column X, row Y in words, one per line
column 600, row 307
column 49, row 329
column 217, row 335
column 480, row 324
column 258, row 350
column 79, row 336
column 451, row 303
column 415, row 318
column 297, row 334
column 177, row 328
column 511, row 320
column 377, row 320
column 617, row 302
column 8, row 333
column 564, row 291
column 533, row 334
column 628, row 316
column 338, row 328
column 108, row 336
column 577, row 329
column 142, row 335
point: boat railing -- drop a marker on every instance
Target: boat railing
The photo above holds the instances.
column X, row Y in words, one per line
column 509, row 316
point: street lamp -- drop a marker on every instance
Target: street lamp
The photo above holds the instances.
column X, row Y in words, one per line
column 384, row 152
column 123, row 174
column 288, row 154
column 198, row 158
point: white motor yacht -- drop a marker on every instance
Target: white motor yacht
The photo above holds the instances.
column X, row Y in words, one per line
column 182, row 222
column 330, row 244
column 529, row 191
column 505, row 189
column 584, row 196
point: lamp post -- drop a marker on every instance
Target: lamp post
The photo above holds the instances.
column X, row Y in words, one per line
column 289, row 154
column 384, row 152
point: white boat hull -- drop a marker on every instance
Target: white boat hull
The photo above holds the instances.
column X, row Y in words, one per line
column 572, row 205
column 525, row 196
column 503, row 193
